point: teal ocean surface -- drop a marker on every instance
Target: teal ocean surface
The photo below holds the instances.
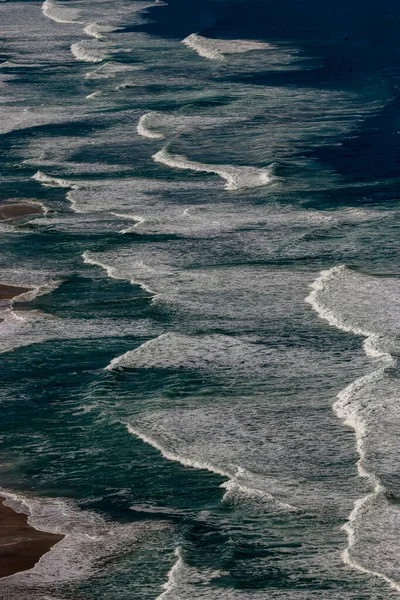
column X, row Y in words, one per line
column 200, row 390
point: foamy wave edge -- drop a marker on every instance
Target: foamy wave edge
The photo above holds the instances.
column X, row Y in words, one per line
column 233, row 486
column 347, row 411
column 50, row 5
column 112, row 272
column 144, row 131
column 49, row 181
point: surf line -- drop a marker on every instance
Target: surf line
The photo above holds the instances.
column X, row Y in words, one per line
column 346, row 409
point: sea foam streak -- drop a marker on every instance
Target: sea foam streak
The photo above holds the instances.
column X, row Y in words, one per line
column 215, row 49
column 352, row 406
column 236, row 177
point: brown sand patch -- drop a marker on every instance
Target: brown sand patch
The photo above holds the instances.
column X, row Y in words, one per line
column 8, row 292
column 14, row 211
column 21, row 546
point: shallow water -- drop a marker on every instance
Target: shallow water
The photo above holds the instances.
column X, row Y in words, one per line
column 201, row 390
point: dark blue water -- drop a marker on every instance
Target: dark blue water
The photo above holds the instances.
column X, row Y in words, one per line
column 200, row 392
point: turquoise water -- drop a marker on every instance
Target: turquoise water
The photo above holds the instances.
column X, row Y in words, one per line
column 201, row 391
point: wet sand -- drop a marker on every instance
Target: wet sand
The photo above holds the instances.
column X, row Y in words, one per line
column 21, row 546
column 14, row 211
column 8, row 292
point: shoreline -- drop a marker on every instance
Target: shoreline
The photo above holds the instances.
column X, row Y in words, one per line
column 21, row 545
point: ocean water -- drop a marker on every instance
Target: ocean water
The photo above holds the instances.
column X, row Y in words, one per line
column 201, row 390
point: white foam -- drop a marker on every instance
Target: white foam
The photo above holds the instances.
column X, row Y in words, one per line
column 237, row 487
column 359, row 403
column 88, row 52
column 341, row 278
column 236, row 177
column 181, row 577
column 59, row 12
column 94, row 95
column 143, row 129
column 350, row 407
column 215, row 49
column 110, row 70
column 96, row 30
column 48, row 180
column 112, row 272
column 210, row 352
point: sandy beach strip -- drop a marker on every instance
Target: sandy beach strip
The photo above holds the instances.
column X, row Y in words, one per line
column 21, row 546
column 8, row 292
column 22, row 209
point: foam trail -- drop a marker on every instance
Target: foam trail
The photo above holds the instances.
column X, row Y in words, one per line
column 232, row 485
column 236, row 177
column 81, row 52
column 59, row 13
column 144, row 131
column 347, row 408
column 215, row 49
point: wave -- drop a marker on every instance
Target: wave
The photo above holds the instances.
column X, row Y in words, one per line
column 88, row 53
column 358, row 404
column 215, row 49
column 93, row 95
column 236, row 487
column 236, row 177
column 50, row 181
column 208, row 352
column 182, row 577
column 350, row 406
column 58, row 12
column 143, row 129
column 110, row 70
column 374, row 345
column 137, row 218
column 150, row 122
column 96, row 31
column 112, row 272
